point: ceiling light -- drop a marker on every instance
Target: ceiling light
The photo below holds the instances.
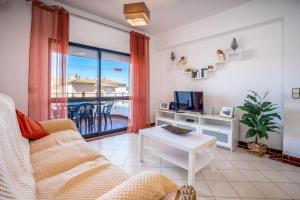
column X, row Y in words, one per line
column 137, row 14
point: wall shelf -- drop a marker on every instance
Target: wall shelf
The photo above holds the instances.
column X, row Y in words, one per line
column 230, row 56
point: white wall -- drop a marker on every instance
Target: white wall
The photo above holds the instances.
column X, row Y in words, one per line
column 91, row 33
column 14, row 51
column 268, row 31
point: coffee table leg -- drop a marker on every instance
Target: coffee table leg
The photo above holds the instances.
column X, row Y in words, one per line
column 191, row 171
column 141, row 147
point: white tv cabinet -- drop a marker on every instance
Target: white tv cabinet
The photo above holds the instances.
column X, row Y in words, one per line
column 226, row 130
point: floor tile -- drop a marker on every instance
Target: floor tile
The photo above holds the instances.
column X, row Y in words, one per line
column 232, row 156
column 220, row 156
column 270, row 190
column 260, row 165
column 205, row 198
column 241, row 164
column 291, row 189
column 213, row 176
column 202, row 189
column 295, row 176
column 221, row 189
column 224, row 164
column 250, row 157
column 246, row 189
column 148, row 162
column 230, row 181
column 275, row 176
column 253, row 175
column 184, row 174
column 233, row 175
column 172, row 172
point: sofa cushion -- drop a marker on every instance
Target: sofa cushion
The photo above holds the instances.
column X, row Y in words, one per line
column 59, row 158
column 30, row 129
column 145, row 185
column 16, row 179
column 87, row 181
column 54, row 139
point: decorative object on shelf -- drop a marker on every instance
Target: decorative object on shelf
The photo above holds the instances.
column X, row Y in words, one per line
column 172, row 57
column 234, row 44
column 211, row 68
column 164, row 105
column 195, row 73
column 188, row 69
column 259, row 116
column 182, row 62
column 296, row 93
column 172, row 106
column 221, row 56
column 227, row 112
column 203, row 72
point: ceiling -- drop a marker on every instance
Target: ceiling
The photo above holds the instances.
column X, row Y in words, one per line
column 165, row 14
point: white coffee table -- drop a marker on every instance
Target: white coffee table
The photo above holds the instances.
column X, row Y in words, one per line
column 192, row 151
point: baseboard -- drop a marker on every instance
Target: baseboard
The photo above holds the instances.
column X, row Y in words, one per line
column 277, row 155
column 270, row 151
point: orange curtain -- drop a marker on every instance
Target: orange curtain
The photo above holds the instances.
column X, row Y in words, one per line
column 139, row 60
column 49, row 41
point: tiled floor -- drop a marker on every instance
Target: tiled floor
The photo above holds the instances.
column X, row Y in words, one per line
column 239, row 175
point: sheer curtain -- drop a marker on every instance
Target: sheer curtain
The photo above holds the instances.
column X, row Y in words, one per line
column 49, row 41
column 139, row 60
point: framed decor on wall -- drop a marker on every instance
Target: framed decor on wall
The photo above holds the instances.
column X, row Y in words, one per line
column 164, row 105
column 227, row 112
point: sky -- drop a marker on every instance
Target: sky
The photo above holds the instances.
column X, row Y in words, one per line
column 87, row 68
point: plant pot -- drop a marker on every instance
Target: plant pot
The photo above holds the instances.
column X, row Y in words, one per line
column 257, row 149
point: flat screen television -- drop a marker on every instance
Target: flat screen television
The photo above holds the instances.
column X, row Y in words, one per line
column 188, row 100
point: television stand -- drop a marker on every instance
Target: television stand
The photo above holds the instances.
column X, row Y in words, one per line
column 226, row 130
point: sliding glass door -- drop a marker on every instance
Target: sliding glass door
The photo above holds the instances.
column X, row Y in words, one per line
column 98, row 90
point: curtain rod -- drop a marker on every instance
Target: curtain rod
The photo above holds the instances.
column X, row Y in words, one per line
column 95, row 21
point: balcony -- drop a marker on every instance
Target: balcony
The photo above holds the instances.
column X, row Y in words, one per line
column 83, row 109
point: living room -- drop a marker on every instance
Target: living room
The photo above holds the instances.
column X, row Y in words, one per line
column 221, row 51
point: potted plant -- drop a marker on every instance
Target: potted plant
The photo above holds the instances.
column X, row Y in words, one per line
column 259, row 116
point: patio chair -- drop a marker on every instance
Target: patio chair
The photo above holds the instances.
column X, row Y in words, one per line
column 106, row 110
column 86, row 113
column 73, row 114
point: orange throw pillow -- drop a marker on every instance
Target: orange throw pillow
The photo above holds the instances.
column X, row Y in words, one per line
column 29, row 128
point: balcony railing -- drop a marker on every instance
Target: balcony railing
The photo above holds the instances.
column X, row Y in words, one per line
column 116, row 119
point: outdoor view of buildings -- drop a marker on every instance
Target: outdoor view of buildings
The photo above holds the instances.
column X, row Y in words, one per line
column 86, row 87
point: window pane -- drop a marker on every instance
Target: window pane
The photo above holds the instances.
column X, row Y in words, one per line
column 114, row 75
column 82, row 72
column 82, row 87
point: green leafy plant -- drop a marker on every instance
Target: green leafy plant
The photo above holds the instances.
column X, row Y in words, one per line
column 259, row 116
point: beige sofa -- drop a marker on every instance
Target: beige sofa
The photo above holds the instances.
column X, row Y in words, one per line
column 63, row 166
